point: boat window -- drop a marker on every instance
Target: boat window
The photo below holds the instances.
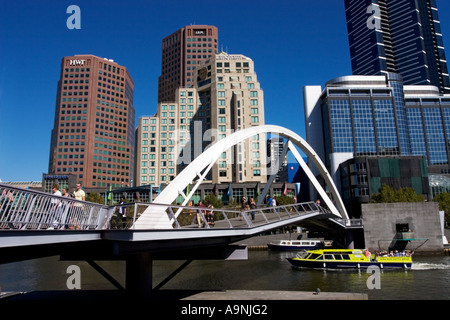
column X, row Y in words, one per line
column 306, row 243
column 314, row 256
column 296, row 242
column 337, row 257
column 346, row 257
column 329, row 257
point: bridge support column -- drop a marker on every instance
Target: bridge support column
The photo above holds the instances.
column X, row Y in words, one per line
column 139, row 274
column 350, row 240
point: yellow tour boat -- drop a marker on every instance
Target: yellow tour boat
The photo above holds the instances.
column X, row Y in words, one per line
column 350, row 259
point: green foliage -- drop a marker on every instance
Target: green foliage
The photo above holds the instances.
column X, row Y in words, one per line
column 211, row 198
column 389, row 195
column 443, row 199
column 95, row 198
column 283, row 200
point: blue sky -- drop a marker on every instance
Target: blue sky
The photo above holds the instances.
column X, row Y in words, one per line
column 292, row 42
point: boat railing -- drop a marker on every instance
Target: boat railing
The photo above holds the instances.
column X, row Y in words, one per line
column 301, row 254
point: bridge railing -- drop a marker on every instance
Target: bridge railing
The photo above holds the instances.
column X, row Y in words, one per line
column 203, row 217
column 27, row 209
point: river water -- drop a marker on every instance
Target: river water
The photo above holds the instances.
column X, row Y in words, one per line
column 429, row 279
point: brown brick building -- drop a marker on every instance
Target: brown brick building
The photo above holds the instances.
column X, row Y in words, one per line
column 93, row 133
column 182, row 51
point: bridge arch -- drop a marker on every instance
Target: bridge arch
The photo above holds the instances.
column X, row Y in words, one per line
column 156, row 218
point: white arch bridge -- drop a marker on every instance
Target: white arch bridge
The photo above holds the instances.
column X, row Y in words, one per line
column 155, row 217
column 32, row 210
column 35, row 224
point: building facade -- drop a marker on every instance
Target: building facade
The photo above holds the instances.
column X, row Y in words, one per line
column 398, row 36
column 362, row 177
column 182, row 51
column 226, row 97
column 94, row 128
column 376, row 116
column 275, row 146
column 163, row 141
column 232, row 100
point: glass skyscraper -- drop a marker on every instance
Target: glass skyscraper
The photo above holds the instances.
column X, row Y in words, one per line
column 398, row 36
column 378, row 116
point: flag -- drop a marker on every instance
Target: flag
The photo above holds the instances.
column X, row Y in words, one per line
column 258, row 191
column 297, row 185
column 159, row 189
column 216, row 191
column 229, row 190
column 110, row 193
column 285, row 188
column 187, row 190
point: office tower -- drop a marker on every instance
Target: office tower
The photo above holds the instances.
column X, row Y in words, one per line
column 232, row 100
column 182, row 51
column 93, row 133
column 164, row 139
column 225, row 97
column 397, row 36
column 355, row 116
column 275, row 146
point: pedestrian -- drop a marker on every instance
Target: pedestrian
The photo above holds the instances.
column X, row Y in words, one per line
column 65, row 208
column 77, row 208
column 123, row 212
column 199, row 214
column 244, row 204
column 65, row 192
column 79, row 194
column 55, row 207
column 210, row 214
column 7, row 204
column 253, row 208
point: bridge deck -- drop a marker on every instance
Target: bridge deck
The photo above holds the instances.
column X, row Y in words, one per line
column 33, row 219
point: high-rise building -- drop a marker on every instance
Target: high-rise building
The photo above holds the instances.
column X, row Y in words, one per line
column 232, row 100
column 356, row 116
column 94, row 131
column 182, row 51
column 275, row 146
column 398, row 36
column 225, row 97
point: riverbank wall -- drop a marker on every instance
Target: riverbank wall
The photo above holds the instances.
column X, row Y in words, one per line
column 403, row 225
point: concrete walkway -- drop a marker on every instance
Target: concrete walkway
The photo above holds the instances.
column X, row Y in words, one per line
column 275, row 295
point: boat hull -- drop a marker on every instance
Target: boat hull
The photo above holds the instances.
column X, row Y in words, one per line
column 299, row 263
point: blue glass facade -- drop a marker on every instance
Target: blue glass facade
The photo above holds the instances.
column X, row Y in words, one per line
column 366, row 121
column 397, row 36
column 385, row 121
column 429, row 129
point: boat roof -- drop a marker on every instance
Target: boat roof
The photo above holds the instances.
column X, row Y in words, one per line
column 321, row 251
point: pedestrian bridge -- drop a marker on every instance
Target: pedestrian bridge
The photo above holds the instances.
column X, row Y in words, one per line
column 34, row 224
column 64, row 218
column 29, row 217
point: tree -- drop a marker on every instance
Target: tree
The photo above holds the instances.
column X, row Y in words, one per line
column 211, row 198
column 443, row 199
column 283, row 200
column 96, row 198
column 388, row 195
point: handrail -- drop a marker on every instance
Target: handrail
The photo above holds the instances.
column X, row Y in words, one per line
column 183, row 217
column 27, row 209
